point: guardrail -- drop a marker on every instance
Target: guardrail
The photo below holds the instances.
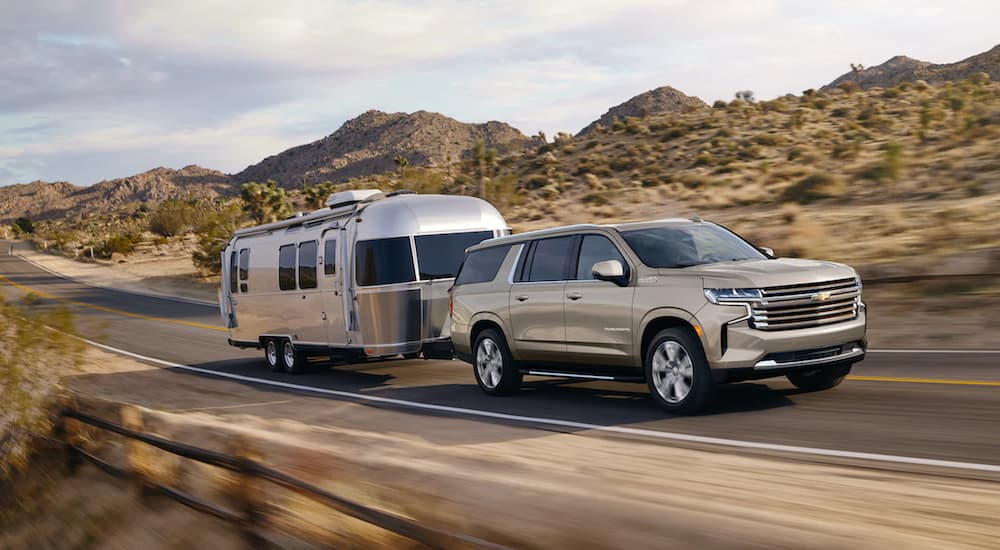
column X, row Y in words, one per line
column 251, row 515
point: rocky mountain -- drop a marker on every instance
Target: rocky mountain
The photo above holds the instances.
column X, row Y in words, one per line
column 42, row 200
column 654, row 102
column 368, row 145
column 906, row 69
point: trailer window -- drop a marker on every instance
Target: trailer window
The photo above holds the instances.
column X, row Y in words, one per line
column 307, row 264
column 384, row 261
column 330, row 257
column 286, row 267
column 232, row 273
column 244, row 268
column 439, row 256
column 481, row 266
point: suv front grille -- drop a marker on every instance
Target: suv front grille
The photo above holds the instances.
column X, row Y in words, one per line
column 807, row 305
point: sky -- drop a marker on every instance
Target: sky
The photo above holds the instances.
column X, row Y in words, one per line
column 101, row 89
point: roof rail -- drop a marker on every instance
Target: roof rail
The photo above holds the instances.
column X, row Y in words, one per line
column 400, row 192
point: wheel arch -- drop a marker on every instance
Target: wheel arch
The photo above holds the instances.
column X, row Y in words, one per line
column 659, row 320
column 483, row 321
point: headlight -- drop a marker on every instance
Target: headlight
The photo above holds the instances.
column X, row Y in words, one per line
column 732, row 295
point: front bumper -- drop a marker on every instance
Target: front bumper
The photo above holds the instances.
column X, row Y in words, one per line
column 736, row 350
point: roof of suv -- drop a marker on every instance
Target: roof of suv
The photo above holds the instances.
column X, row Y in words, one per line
column 570, row 229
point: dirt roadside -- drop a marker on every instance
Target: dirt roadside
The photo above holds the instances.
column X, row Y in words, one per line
column 506, row 483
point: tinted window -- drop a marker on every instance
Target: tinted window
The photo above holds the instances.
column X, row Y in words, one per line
column 307, row 265
column 549, row 260
column 244, row 268
column 384, row 261
column 286, row 267
column 685, row 245
column 482, row 265
column 232, row 273
column 330, row 257
column 593, row 249
column 439, row 256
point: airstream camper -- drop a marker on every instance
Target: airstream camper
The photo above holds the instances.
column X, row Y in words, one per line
column 367, row 276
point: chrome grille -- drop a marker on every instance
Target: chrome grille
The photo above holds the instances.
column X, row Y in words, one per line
column 806, row 305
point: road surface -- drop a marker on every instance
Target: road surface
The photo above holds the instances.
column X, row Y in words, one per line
column 917, row 404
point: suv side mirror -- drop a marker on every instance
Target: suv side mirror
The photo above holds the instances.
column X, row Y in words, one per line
column 766, row 250
column 610, row 270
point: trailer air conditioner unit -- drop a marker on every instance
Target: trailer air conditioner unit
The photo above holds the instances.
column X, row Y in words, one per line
column 344, row 198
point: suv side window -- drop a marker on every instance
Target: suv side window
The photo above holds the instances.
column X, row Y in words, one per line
column 550, row 259
column 593, row 249
column 481, row 266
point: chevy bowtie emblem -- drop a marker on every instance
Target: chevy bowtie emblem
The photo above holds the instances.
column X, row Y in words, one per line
column 820, row 297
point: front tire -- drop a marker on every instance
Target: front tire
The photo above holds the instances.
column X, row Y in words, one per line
column 677, row 372
column 272, row 354
column 493, row 364
column 821, row 379
column 293, row 360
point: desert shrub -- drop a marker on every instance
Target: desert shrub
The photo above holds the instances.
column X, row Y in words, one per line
column 848, row 86
column 592, row 143
column 32, row 360
column 265, row 202
column 213, row 235
column 117, row 244
column 840, row 112
column 596, row 199
column 171, row 218
column 536, row 181
column 768, row 139
column 694, row 181
column 795, row 152
column 719, row 104
column 23, row 226
column 633, row 125
column 889, row 167
column 617, row 125
column 890, row 93
column 316, row 195
column 703, row 158
column 818, row 185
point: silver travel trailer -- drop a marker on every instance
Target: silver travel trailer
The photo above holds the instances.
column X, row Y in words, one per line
column 367, row 276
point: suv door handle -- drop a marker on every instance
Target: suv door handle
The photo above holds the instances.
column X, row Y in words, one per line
column 521, row 298
column 574, row 295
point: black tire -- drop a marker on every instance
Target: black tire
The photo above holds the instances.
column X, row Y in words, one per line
column 675, row 360
column 820, row 379
column 272, row 354
column 415, row 355
column 292, row 359
column 495, row 369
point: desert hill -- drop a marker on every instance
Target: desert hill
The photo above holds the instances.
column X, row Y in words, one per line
column 659, row 101
column 370, row 143
column 905, row 69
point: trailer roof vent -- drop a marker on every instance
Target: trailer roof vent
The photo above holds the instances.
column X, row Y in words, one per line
column 344, row 198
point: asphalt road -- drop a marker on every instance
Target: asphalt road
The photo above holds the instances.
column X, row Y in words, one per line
column 943, row 406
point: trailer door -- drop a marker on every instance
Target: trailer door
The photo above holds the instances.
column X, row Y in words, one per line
column 333, row 290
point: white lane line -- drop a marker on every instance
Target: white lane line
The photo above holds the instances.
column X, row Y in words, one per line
column 994, row 468
column 962, row 351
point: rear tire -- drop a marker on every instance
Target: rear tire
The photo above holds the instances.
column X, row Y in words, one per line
column 293, row 360
column 821, row 379
column 272, row 354
column 677, row 372
column 494, row 367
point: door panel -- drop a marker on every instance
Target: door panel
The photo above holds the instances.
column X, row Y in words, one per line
column 598, row 313
column 536, row 317
column 598, row 322
column 332, row 283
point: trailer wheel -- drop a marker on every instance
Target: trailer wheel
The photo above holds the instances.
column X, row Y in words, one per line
column 271, row 354
column 293, row 359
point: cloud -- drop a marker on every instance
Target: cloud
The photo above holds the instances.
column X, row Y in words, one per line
column 94, row 89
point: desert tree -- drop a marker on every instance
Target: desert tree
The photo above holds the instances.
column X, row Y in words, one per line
column 484, row 159
column 265, row 202
column 856, row 68
column 316, row 195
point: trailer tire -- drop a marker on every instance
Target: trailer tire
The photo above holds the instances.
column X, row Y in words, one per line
column 272, row 354
column 292, row 359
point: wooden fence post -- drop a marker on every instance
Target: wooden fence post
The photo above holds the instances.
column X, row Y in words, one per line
column 64, row 433
column 247, row 491
column 132, row 420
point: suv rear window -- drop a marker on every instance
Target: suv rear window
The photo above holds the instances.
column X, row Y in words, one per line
column 440, row 256
column 384, row 261
column 482, row 265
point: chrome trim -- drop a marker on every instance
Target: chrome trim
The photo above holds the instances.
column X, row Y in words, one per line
column 568, row 375
column 517, row 260
column 769, row 364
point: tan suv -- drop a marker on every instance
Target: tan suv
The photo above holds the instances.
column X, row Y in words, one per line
column 680, row 304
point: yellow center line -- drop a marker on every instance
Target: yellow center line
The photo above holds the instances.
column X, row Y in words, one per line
column 49, row 296
column 925, row 380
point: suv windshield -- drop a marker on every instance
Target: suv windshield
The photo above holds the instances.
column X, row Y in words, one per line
column 685, row 245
